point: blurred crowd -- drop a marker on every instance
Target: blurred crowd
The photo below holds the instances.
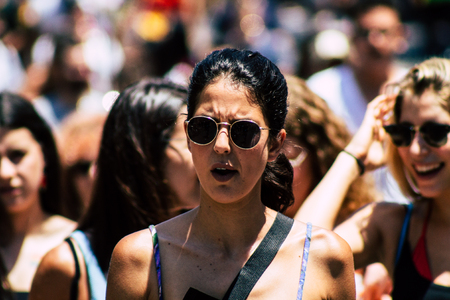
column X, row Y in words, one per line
column 64, row 55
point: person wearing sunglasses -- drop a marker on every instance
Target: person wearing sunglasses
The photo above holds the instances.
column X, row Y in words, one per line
column 412, row 122
column 236, row 113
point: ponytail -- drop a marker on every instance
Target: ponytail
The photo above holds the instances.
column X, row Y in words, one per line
column 276, row 187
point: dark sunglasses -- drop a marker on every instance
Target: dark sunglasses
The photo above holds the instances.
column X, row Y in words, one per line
column 434, row 134
column 245, row 134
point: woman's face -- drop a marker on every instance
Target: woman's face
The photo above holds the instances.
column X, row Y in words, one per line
column 227, row 173
column 429, row 166
column 179, row 169
column 302, row 164
column 21, row 169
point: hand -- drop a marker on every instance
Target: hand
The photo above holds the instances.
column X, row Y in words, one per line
column 377, row 283
column 368, row 142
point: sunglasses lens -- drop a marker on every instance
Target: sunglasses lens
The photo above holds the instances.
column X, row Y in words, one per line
column 435, row 134
column 400, row 134
column 245, row 134
column 202, row 130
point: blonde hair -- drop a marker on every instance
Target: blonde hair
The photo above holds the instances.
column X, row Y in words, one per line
column 434, row 74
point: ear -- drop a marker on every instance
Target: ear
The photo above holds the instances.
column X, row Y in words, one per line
column 188, row 141
column 276, row 145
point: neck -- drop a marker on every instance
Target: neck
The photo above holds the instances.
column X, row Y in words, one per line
column 233, row 226
column 26, row 221
column 441, row 210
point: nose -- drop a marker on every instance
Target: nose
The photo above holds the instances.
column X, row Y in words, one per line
column 7, row 168
column 418, row 145
column 222, row 143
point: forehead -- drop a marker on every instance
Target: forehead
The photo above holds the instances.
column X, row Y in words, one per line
column 228, row 99
column 417, row 109
column 21, row 137
column 379, row 17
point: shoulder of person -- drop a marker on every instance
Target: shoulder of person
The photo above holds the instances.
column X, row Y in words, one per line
column 55, row 273
column 57, row 223
column 328, row 245
column 134, row 250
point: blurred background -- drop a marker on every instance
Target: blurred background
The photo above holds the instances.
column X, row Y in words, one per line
column 65, row 55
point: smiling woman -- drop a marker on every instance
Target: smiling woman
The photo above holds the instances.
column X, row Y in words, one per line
column 415, row 237
column 236, row 112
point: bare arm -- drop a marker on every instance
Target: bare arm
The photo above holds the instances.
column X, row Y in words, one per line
column 323, row 204
column 55, row 274
column 334, row 261
column 131, row 263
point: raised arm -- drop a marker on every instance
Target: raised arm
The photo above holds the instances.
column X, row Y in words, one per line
column 132, row 272
column 323, row 204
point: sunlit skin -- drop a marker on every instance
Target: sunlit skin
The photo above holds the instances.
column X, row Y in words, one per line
column 179, row 169
column 227, row 102
column 429, row 166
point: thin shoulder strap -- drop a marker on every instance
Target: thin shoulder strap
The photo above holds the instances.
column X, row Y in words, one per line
column 409, row 209
column 262, row 257
column 304, row 260
column 157, row 258
column 76, row 279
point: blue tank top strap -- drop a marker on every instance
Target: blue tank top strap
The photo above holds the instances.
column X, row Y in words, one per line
column 304, row 260
column 157, row 258
column 404, row 231
column 97, row 280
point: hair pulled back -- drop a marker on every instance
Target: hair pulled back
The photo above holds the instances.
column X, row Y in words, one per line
column 267, row 89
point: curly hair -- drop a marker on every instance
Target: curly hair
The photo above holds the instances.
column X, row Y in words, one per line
column 324, row 135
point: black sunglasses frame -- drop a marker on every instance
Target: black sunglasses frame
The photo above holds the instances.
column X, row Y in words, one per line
column 407, row 133
column 230, row 131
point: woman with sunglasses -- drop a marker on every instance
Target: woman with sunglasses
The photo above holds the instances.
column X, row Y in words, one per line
column 236, row 244
column 144, row 174
column 412, row 241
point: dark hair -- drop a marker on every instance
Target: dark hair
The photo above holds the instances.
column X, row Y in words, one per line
column 16, row 112
column 130, row 191
column 267, row 89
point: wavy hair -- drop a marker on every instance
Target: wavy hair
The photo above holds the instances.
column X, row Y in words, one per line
column 324, row 135
column 433, row 74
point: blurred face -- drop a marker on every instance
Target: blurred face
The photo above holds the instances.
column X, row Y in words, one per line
column 429, row 166
column 380, row 34
column 179, row 170
column 227, row 173
column 302, row 164
column 21, row 169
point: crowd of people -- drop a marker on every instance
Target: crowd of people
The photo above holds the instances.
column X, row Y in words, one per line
column 156, row 149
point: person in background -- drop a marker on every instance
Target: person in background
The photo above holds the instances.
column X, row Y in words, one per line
column 237, row 104
column 411, row 240
column 378, row 37
column 315, row 136
column 29, row 191
column 79, row 143
column 144, row 175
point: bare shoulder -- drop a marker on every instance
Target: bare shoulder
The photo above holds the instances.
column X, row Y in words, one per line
column 131, row 274
column 54, row 274
column 331, row 264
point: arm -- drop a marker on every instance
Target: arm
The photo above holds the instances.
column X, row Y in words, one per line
column 55, row 274
column 128, row 276
column 335, row 260
column 332, row 189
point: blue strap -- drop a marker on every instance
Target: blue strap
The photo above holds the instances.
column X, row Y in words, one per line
column 97, row 280
column 157, row 258
column 304, row 260
column 404, row 231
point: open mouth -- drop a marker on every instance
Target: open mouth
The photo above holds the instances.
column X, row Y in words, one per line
column 223, row 174
column 428, row 170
